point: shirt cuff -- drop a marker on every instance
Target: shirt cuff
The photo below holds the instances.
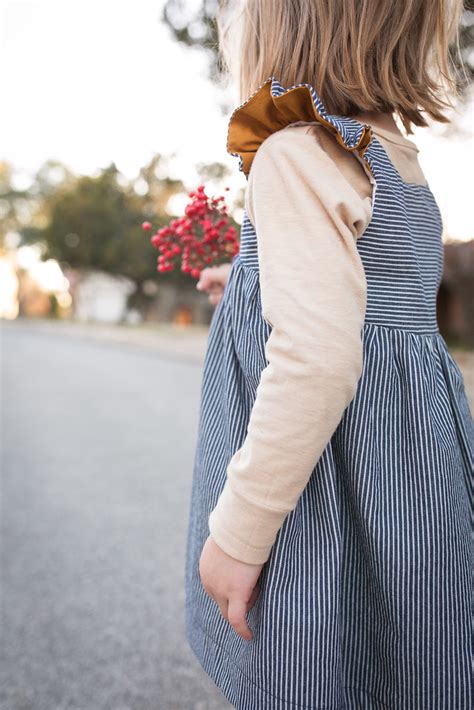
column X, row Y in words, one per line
column 252, row 522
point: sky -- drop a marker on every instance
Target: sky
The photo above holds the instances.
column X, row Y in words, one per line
column 89, row 82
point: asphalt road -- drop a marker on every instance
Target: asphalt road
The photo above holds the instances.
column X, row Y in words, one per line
column 97, row 448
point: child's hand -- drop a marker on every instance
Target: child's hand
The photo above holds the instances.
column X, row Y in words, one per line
column 213, row 280
column 231, row 583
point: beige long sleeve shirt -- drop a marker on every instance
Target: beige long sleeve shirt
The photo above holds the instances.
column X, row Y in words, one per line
column 309, row 200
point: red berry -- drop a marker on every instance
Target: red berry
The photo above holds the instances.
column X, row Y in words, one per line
column 147, row 226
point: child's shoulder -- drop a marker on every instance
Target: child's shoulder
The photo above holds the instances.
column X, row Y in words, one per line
column 304, row 161
column 307, row 147
column 297, row 133
column 277, row 115
column 296, row 143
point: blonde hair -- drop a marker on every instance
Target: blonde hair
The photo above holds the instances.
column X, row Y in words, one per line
column 359, row 55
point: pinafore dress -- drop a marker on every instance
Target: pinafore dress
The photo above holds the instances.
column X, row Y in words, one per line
column 365, row 598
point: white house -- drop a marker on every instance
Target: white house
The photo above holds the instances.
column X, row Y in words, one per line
column 102, row 297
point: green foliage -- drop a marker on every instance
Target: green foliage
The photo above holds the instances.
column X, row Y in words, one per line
column 95, row 223
column 22, row 209
column 195, row 29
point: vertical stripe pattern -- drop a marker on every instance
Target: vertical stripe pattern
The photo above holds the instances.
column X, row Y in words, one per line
column 365, row 600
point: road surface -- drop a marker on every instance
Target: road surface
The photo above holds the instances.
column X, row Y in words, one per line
column 98, row 442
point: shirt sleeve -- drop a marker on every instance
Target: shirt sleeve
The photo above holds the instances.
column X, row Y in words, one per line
column 308, row 217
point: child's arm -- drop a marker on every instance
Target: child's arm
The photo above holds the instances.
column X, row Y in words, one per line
column 307, row 217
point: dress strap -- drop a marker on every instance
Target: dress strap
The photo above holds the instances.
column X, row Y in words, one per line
column 271, row 107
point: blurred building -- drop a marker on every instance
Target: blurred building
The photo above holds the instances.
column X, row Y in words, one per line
column 177, row 304
column 101, row 297
column 456, row 293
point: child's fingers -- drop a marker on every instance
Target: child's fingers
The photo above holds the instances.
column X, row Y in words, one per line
column 223, row 606
column 253, row 597
column 236, row 616
column 209, row 277
column 214, row 298
column 213, row 277
column 214, row 289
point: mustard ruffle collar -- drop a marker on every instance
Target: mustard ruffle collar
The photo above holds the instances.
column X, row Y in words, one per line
column 272, row 107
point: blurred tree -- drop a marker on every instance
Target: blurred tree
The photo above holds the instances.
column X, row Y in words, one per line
column 217, row 172
column 156, row 186
column 50, row 175
column 195, row 26
column 22, row 208
column 13, row 202
column 95, row 223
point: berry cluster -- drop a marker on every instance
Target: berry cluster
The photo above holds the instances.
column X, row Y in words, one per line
column 203, row 237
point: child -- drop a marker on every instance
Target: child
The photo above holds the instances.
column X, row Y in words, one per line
column 329, row 541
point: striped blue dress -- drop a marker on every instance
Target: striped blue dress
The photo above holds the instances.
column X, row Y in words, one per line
column 365, row 599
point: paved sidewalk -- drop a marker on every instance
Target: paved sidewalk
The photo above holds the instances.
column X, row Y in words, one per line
column 187, row 343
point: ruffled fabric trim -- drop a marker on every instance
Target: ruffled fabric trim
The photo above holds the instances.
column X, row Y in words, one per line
column 271, row 107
